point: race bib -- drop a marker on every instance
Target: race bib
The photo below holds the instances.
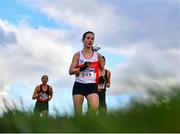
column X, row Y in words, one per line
column 88, row 74
column 101, row 86
column 43, row 96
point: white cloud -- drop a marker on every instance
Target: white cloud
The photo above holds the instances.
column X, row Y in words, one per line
column 36, row 52
column 118, row 24
column 7, row 37
column 101, row 17
column 148, row 69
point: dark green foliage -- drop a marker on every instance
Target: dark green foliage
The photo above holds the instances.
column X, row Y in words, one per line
column 161, row 115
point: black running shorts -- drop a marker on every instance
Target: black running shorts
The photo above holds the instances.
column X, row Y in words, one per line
column 84, row 89
column 41, row 106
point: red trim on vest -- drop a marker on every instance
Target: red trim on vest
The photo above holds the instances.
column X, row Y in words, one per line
column 85, row 57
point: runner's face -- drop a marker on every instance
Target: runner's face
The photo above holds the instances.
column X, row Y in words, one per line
column 104, row 62
column 89, row 40
column 44, row 79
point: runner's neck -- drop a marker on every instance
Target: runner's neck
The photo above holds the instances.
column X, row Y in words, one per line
column 87, row 50
column 44, row 84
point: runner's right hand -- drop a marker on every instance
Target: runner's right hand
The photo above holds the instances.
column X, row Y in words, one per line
column 86, row 64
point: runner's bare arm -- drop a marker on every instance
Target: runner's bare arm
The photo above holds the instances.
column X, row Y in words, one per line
column 73, row 67
column 108, row 84
column 100, row 59
column 35, row 94
column 51, row 93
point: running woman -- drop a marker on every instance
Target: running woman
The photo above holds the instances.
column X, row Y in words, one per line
column 104, row 82
column 85, row 66
column 43, row 93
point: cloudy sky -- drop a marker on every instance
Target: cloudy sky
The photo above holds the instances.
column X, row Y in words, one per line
column 139, row 38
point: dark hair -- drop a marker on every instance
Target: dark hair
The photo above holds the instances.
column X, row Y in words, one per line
column 44, row 76
column 103, row 57
column 84, row 35
column 96, row 48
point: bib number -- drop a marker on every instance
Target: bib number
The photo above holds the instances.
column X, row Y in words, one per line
column 43, row 96
column 88, row 74
column 101, row 86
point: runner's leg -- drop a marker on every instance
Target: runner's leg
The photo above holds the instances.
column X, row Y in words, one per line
column 78, row 102
column 93, row 102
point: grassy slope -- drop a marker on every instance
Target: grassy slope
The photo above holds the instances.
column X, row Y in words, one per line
column 163, row 116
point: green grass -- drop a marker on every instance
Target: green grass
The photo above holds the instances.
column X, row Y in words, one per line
column 161, row 115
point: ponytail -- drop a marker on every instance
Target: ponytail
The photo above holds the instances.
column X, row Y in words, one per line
column 96, row 48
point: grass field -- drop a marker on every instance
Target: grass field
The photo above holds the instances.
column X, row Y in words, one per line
column 162, row 115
